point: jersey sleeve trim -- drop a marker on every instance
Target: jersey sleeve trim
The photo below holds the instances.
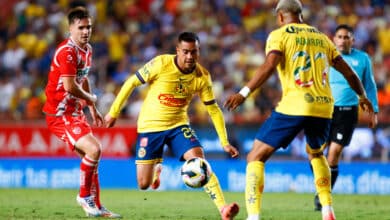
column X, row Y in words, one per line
column 58, row 52
column 278, row 52
column 209, row 102
column 336, row 59
column 140, row 77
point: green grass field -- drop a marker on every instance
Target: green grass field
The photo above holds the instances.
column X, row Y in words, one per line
column 145, row 205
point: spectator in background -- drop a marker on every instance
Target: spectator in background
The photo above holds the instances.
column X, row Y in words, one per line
column 7, row 90
column 301, row 54
column 67, row 92
column 346, row 102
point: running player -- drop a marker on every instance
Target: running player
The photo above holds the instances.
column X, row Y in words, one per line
column 67, row 92
column 173, row 81
column 301, row 55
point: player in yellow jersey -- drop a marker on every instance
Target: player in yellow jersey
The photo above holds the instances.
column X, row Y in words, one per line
column 173, row 81
column 302, row 56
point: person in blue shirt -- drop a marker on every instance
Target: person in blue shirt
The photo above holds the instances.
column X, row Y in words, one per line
column 345, row 113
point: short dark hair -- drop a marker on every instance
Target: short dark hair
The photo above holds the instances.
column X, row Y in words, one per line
column 345, row 27
column 188, row 37
column 77, row 13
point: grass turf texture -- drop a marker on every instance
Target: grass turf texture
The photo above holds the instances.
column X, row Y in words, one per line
column 133, row 204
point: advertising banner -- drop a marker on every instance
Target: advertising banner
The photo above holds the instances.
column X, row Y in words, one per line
column 36, row 141
column 280, row 176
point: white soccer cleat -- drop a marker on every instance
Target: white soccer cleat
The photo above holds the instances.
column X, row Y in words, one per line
column 89, row 206
column 328, row 213
column 253, row 217
column 108, row 214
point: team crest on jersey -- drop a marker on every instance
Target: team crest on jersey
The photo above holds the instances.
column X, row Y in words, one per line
column 181, row 87
column 141, row 152
column 76, row 130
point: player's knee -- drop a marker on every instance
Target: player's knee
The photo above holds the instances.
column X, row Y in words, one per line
column 143, row 184
column 316, row 155
column 95, row 152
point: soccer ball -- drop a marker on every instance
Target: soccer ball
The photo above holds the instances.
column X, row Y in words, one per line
column 195, row 172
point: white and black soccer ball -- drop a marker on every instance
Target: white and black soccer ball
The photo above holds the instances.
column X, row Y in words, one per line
column 196, row 172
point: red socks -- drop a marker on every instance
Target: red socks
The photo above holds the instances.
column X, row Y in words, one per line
column 87, row 168
column 95, row 188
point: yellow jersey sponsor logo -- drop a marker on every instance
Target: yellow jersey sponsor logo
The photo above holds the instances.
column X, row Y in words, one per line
column 172, row 101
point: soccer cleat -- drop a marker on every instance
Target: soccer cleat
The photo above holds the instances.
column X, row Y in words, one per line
column 317, row 203
column 156, row 176
column 108, row 214
column 228, row 212
column 253, row 217
column 327, row 213
column 89, row 206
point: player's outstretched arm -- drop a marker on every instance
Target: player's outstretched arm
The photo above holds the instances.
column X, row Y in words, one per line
column 219, row 124
column 109, row 120
column 231, row 150
column 120, row 100
column 354, row 82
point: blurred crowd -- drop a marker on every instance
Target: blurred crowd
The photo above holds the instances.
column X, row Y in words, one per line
column 127, row 33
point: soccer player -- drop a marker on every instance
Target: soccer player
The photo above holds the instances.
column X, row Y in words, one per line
column 173, row 80
column 346, row 104
column 67, row 92
column 301, row 55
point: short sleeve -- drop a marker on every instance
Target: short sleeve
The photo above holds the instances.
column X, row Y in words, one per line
column 66, row 60
column 273, row 43
column 333, row 52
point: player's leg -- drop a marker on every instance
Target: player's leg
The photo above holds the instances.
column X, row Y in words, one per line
column 254, row 186
column 334, row 154
column 277, row 131
column 95, row 188
column 149, row 151
column 343, row 124
column 156, row 175
column 88, row 147
column 144, row 175
column 74, row 131
column 185, row 145
column 316, row 131
column 213, row 188
column 95, row 192
column 344, row 121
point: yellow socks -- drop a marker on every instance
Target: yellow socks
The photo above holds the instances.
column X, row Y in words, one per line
column 254, row 187
column 213, row 189
column 321, row 173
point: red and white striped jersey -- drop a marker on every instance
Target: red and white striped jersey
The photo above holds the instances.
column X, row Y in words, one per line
column 69, row 60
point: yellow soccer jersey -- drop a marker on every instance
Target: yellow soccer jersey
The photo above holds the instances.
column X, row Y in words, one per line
column 304, row 71
column 170, row 92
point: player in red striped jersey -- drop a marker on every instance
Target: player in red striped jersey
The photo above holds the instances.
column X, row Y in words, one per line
column 67, row 92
